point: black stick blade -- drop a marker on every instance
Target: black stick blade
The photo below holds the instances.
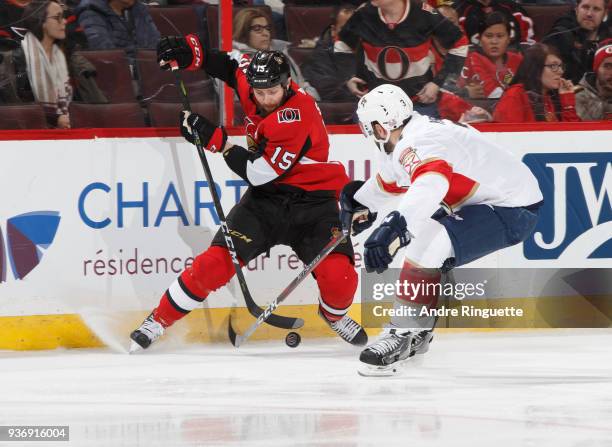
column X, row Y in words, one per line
column 231, row 333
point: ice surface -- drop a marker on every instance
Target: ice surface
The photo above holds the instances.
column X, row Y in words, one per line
column 546, row 388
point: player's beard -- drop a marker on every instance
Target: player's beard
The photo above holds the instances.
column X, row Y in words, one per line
column 265, row 111
column 388, row 147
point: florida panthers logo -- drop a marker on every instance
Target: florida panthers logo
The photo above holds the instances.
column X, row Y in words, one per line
column 409, row 159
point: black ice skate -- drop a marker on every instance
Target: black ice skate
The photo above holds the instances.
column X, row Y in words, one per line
column 348, row 329
column 149, row 331
column 382, row 357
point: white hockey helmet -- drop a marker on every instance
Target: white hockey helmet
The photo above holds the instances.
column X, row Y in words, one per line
column 387, row 105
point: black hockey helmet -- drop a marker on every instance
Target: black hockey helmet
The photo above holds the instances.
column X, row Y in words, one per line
column 267, row 69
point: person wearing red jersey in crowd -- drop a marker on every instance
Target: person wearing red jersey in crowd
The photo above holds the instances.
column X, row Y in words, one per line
column 594, row 101
column 473, row 12
column 393, row 39
column 490, row 67
column 538, row 91
column 292, row 194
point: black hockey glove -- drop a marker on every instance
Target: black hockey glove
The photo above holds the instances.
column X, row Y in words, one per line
column 353, row 214
column 186, row 52
column 385, row 241
column 212, row 138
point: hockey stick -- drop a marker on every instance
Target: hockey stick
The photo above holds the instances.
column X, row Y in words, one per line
column 274, row 320
column 237, row 339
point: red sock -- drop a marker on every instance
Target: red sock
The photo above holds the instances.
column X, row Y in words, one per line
column 427, row 280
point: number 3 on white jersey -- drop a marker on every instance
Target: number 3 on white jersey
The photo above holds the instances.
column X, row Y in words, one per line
column 285, row 162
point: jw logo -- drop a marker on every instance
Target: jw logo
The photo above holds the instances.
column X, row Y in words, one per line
column 27, row 237
column 576, row 219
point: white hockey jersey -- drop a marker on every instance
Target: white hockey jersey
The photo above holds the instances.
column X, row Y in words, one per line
column 437, row 161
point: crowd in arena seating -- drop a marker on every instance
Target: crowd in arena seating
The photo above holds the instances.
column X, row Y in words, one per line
column 91, row 63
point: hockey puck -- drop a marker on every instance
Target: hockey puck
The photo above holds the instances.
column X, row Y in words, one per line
column 293, row 339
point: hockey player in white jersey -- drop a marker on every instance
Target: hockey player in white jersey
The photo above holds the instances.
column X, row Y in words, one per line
column 490, row 201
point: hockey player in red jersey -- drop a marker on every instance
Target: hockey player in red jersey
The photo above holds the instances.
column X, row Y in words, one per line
column 292, row 194
column 489, row 197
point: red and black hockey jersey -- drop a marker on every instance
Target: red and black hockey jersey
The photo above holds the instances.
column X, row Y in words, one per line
column 479, row 69
column 289, row 146
column 399, row 53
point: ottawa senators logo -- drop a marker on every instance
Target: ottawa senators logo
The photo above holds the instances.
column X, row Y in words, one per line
column 288, row 115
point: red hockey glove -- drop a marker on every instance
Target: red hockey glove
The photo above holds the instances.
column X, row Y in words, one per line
column 186, row 52
column 212, row 138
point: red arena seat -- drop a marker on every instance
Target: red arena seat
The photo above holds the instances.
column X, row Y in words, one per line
column 305, row 22
column 166, row 114
column 22, row 116
column 113, row 74
column 106, row 115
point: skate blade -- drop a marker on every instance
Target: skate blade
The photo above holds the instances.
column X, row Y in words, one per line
column 400, row 367
column 135, row 348
column 378, row 371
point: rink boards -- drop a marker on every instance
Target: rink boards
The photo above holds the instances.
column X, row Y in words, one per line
column 97, row 228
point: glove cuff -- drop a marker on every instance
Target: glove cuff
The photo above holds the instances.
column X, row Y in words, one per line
column 197, row 52
column 217, row 141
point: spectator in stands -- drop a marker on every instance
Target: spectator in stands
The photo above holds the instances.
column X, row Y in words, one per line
column 489, row 68
column 12, row 25
column 112, row 24
column 594, row 101
column 14, row 84
column 278, row 18
column 327, row 68
column 41, row 57
column 393, row 39
column 538, row 91
column 577, row 34
column 473, row 12
column 253, row 32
